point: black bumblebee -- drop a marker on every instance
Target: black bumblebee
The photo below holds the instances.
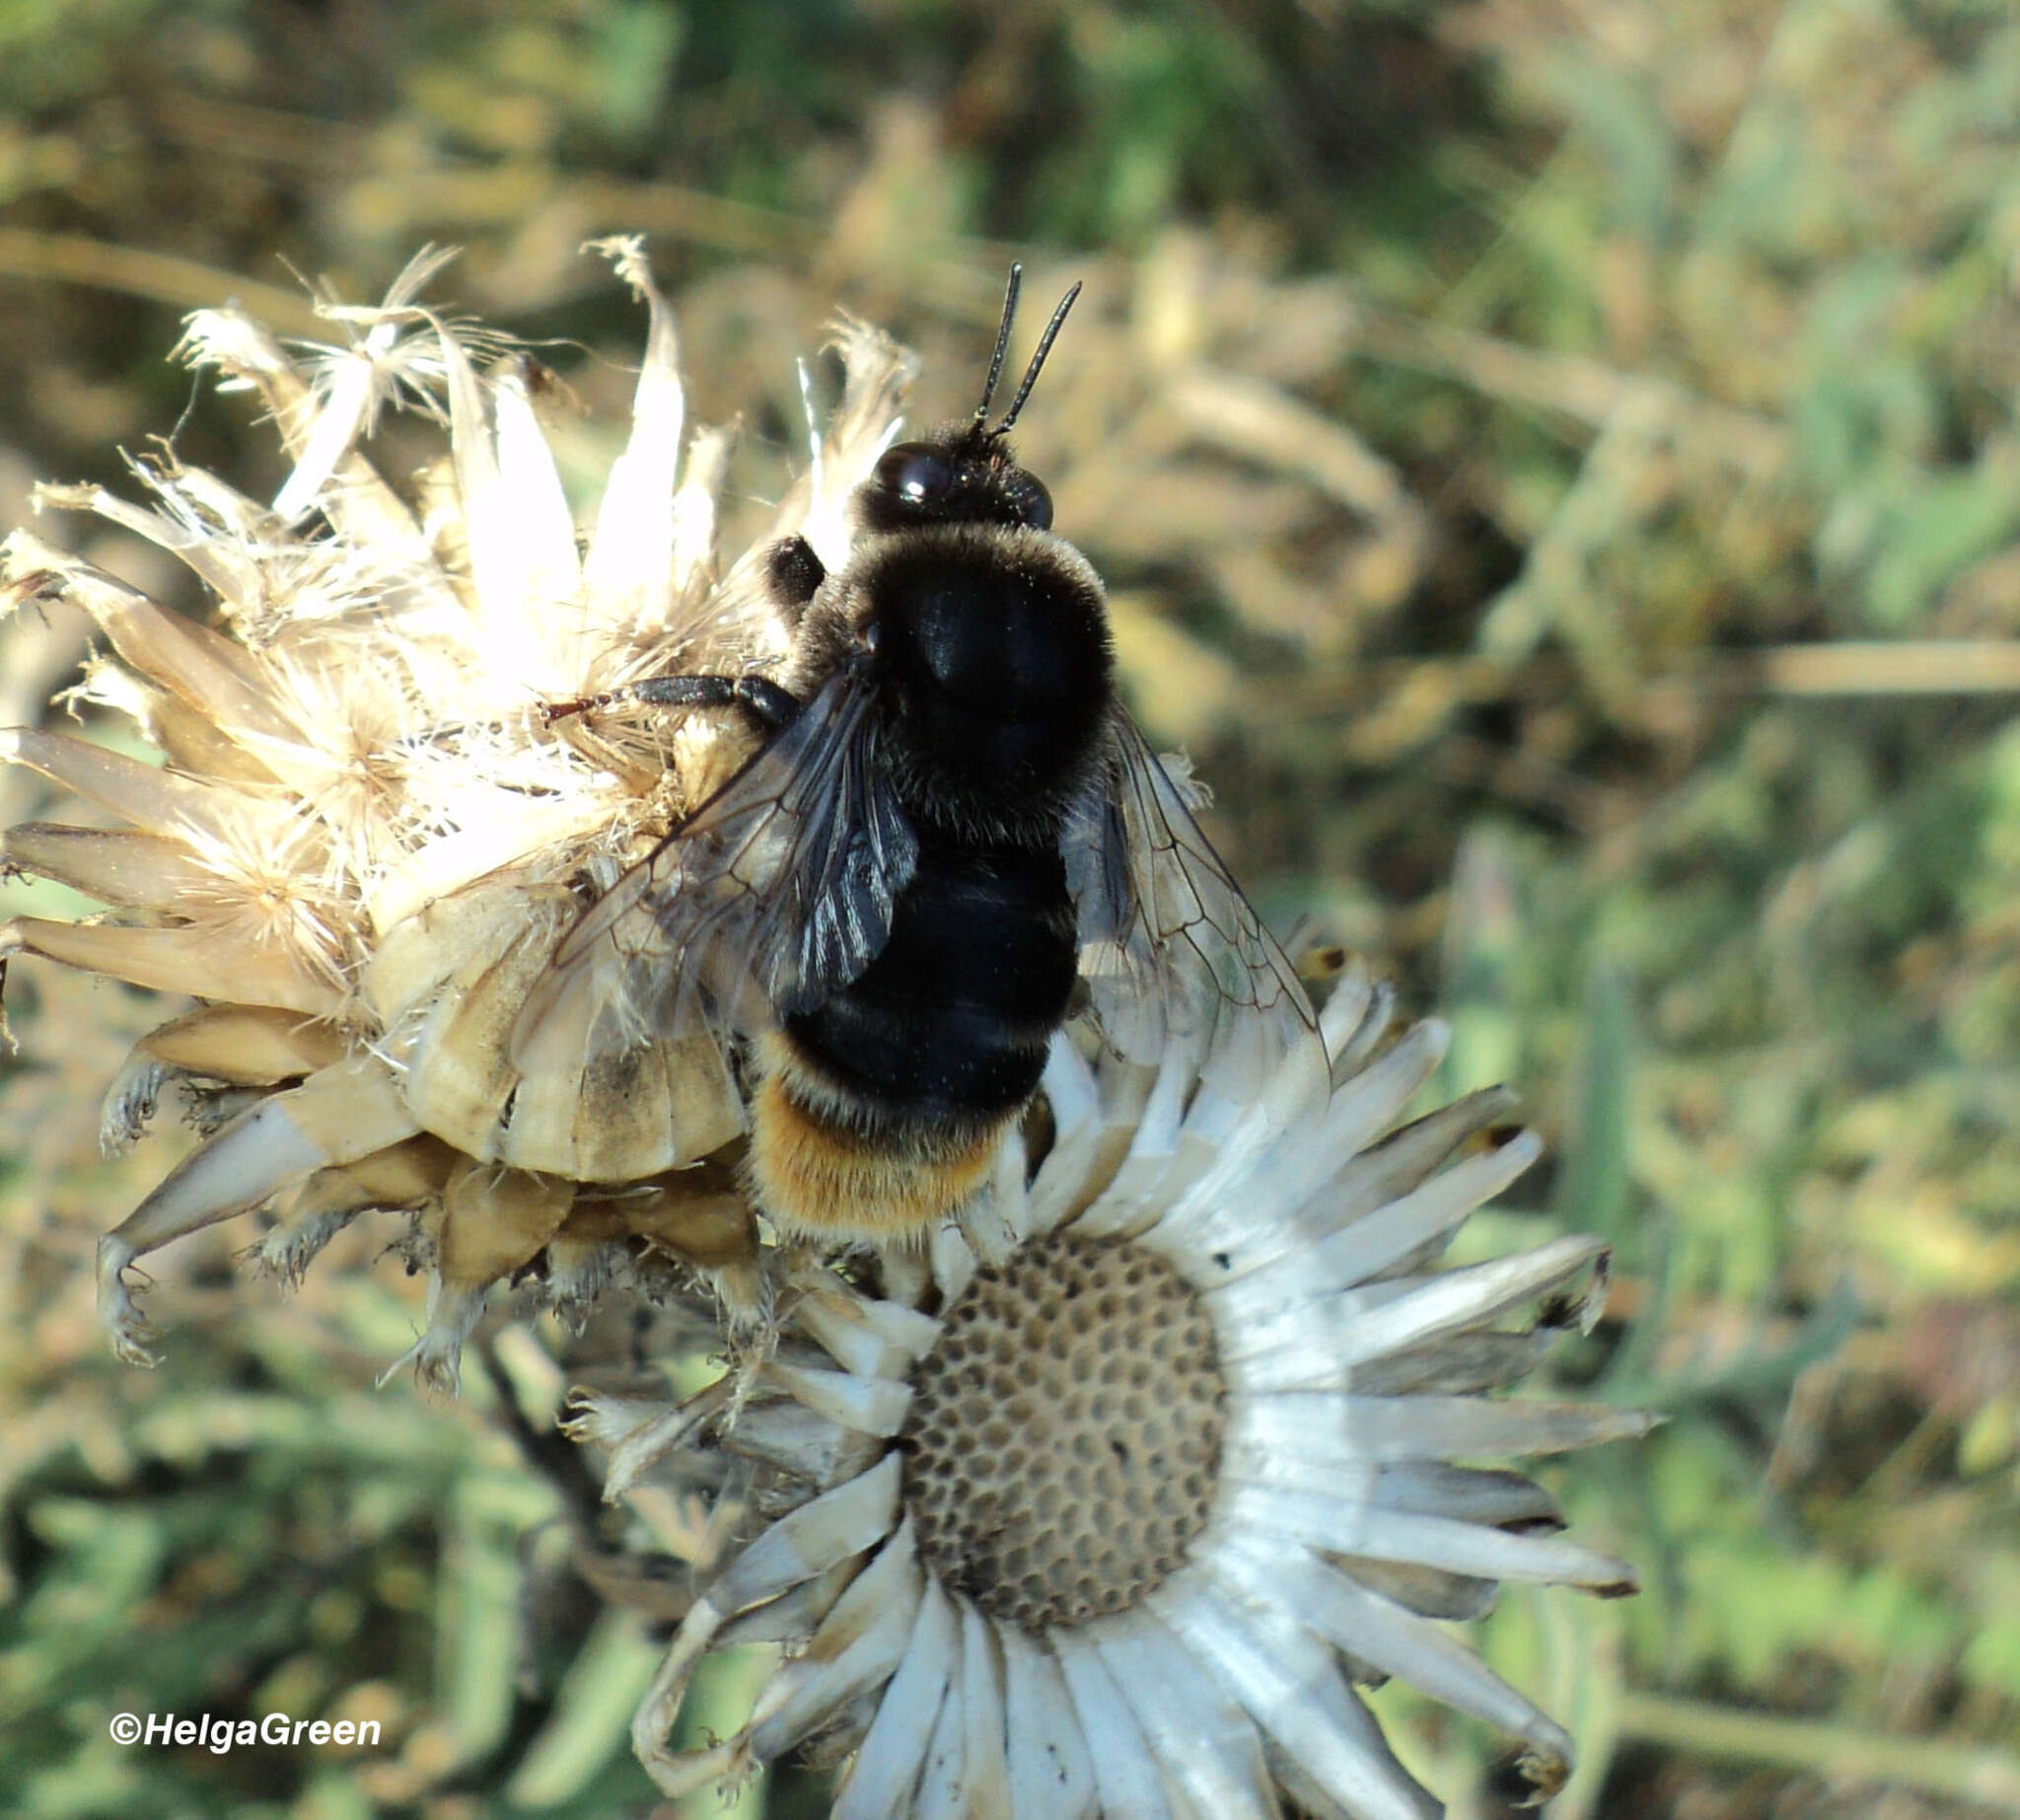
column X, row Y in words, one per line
column 953, row 839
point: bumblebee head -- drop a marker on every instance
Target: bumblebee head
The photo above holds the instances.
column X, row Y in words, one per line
column 956, row 478
column 966, row 473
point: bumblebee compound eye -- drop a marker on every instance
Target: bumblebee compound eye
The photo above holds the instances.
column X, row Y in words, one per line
column 914, row 474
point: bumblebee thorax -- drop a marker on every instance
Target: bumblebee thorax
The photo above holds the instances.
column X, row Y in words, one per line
column 991, row 646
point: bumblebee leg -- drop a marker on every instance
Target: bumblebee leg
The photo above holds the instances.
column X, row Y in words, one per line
column 772, row 706
column 764, row 698
column 795, row 573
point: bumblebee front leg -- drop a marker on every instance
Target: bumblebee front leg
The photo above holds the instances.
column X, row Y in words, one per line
column 794, row 573
column 771, row 705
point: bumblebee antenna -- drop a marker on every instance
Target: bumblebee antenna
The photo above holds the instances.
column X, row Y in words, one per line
column 982, row 411
column 1044, row 347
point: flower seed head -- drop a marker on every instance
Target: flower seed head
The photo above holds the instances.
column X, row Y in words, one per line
column 1115, row 1517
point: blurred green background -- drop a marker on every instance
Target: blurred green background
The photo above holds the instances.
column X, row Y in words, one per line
column 1557, row 467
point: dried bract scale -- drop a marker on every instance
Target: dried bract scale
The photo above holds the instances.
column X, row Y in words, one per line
column 1112, row 1522
column 364, row 833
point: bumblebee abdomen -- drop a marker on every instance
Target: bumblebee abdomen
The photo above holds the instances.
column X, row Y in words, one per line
column 821, row 1178
column 904, row 1070
column 880, row 1111
column 951, row 1022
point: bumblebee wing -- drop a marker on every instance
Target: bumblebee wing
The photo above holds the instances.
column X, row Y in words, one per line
column 1169, row 945
column 774, row 895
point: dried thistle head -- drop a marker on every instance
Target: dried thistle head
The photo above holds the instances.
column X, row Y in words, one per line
column 364, row 833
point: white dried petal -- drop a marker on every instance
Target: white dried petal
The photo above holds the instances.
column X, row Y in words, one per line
column 1146, row 1492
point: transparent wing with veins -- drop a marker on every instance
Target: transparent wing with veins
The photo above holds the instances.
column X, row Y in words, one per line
column 1170, row 947
column 773, row 896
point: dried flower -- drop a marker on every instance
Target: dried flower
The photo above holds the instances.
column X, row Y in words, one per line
column 365, row 836
column 1107, row 1519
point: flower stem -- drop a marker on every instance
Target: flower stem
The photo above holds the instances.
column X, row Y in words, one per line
column 1843, row 1753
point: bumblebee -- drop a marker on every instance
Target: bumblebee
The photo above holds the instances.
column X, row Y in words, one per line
column 951, row 839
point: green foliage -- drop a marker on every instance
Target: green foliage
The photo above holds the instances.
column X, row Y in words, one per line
column 304, row 1551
